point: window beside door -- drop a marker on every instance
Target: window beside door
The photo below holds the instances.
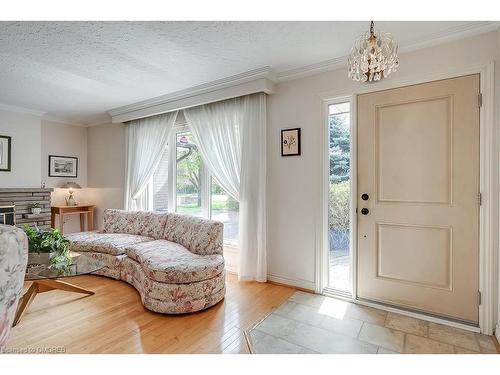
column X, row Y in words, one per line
column 339, row 202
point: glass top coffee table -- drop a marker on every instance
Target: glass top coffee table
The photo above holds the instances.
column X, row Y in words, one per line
column 47, row 277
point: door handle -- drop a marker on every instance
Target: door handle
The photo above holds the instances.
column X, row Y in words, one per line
column 365, row 211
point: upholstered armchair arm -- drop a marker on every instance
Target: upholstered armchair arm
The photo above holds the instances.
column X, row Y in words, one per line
column 13, row 260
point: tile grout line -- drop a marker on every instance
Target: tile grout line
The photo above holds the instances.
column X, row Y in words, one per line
column 359, row 333
column 448, row 343
column 363, row 324
column 351, row 318
column 281, row 338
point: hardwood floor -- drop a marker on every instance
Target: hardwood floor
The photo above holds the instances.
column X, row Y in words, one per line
column 113, row 320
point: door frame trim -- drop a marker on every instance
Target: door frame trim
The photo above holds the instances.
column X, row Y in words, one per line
column 489, row 156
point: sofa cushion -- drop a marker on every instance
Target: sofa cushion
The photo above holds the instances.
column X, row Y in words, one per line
column 198, row 235
column 150, row 224
column 170, row 262
column 109, row 243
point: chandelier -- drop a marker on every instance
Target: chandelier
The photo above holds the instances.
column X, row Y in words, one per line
column 374, row 56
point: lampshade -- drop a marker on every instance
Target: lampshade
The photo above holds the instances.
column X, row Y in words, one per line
column 71, row 185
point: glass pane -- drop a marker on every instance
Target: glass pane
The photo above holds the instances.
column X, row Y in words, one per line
column 224, row 208
column 341, row 108
column 160, row 184
column 339, row 196
column 189, row 168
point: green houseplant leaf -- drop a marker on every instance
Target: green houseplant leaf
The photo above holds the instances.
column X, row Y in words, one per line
column 48, row 241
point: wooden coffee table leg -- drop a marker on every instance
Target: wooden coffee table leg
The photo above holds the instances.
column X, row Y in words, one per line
column 26, row 300
column 41, row 286
column 51, row 284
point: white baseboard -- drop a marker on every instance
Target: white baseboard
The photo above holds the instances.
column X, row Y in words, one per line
column 304, row 284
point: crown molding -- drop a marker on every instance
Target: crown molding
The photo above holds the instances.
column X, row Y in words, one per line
column 257, row 80
column 309, row 70
column 231, row 81
column 100, row 122
column 17, row 109
column 448, row 35
column 62, row 120
column 452, row 34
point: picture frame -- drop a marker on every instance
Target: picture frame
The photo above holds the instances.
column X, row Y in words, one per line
column 290, row 142
column 5, row 153
column 63, row 166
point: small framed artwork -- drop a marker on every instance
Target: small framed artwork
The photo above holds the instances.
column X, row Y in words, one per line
column 5, row 153
column 63, row 166
column 290, row 142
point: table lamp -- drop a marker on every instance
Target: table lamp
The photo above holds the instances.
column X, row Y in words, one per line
column 70, row 201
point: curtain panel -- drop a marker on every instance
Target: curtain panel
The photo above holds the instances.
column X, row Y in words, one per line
column 231, row 137
column 147, row 139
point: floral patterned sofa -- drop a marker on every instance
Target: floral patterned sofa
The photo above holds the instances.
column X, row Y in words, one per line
column 174, row 261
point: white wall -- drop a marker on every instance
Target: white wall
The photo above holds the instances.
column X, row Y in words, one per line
column 66, row 140
column 294, row 183
column 106, row 167
column 25, row 130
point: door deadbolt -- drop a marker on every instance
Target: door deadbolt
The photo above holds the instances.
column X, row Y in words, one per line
column 365, row 211
column 365, row 196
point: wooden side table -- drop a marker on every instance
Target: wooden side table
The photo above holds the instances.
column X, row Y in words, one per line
column 82, row 210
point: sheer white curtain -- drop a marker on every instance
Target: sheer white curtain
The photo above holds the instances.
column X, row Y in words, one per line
column 146, row 141
column 216, row 130
column 231, row 137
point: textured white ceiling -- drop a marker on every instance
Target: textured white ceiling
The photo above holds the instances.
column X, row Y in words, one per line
column 80, row 70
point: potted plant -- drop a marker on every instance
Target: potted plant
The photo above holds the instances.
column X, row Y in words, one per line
column 47, row 246
column 35, row 208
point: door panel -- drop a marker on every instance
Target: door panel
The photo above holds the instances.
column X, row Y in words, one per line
column 404, row 130
column 418, row 160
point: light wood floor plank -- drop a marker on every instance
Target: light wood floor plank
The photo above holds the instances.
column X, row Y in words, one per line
column 114, row 320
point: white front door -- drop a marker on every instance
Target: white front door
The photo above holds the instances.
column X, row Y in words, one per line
column 418, row 207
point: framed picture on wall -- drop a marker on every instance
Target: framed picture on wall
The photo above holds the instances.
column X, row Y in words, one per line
column 63, row 166
column 290, row 142
column 5, row 153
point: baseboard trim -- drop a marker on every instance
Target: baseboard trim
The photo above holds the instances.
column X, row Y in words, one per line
column 306, row 286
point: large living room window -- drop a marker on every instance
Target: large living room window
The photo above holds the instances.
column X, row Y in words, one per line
column 192, row 190
column 189, row 176
column 224, row 208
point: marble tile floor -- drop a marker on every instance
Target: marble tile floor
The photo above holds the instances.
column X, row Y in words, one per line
column 309, row 323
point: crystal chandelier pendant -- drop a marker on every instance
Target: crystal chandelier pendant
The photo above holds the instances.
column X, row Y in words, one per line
column 374, row 56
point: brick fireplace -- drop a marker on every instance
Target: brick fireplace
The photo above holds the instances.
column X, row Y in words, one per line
column 15, row 206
